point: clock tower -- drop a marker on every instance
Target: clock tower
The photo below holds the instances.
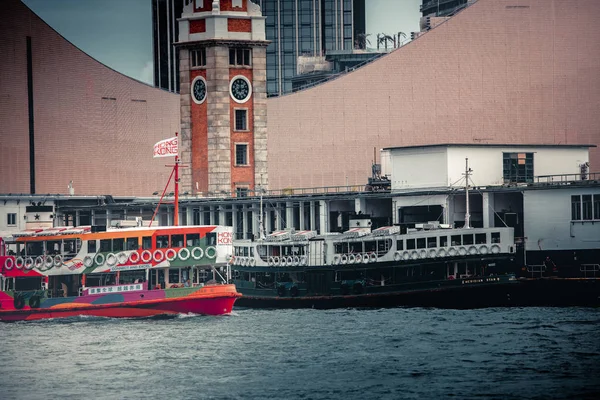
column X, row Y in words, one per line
column 222, row 64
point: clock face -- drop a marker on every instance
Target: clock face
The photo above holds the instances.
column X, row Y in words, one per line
column 199, row 90
column 240, row 89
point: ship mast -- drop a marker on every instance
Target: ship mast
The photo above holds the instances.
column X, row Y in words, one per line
column 261, row 226
column 467, row 174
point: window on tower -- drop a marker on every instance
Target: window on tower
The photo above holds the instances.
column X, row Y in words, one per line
column 198, row 57
column 241, row 120
column 241, row 192
column 241, row 154
column 240, row 57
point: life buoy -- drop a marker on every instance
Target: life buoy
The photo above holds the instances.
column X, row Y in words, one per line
column 296, row 261
column 442, row 253
column 19, row 262
column 336, row 259
column 357, row 288
column 344, row 259
column 271, row 261
column 244, row 261
column 483, row 249
column 39, row 262
column 158, row 255
column 19, row 301
column 303, row 260
column 472, row 250
column 134, row 257
column 414, row 255
column 88, row 261
column 495, row 249
column 280, row 290
column 372, row 257
column 290, row 260
column 122, row 257
column 211, row 252
column 48, row 262
column 9, row 263
column 294, row 291
column 28, row 263
column 359, row 258
column 197, row 253
column 170, row 254
column 99, row 259
column 146, row 256
column 351, row 259
column 252, row 262
column 58, row 261
column 423, row 254
column 365, row 258
column 184, row 254
column 397, row 256
column 111, row 259
column 462, row 251
column 452, row 252
column 34, row 301
column 432, row 253
column 276, row 261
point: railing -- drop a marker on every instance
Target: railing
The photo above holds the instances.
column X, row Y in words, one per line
column 592, row 269
column 536, row 270
column 582, row 177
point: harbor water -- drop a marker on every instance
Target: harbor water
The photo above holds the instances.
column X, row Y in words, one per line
column 401, row 353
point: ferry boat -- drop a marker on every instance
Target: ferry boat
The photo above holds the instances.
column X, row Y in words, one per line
column 126, row 272
column 428, row 265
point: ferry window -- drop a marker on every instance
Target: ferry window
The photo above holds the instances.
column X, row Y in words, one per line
column 410, row 244
column 467, row 239
column 455, row 240
column 11, row 219
column 251, row 251
column 174, row 275
column 480, row 238
column 177, row 241
column 586, row 205
column 132, row 243
column 420, row 243
column 162, row 242
column 431, row 242
column 400, row 245
column 69, row 246
column 370, row 246
column 356, row 247
column 495, row 237
column 443, row 241
column 118, row 244
column 597, row 206
column 105, row 245
column 35, row 248
column 91, row 246
column 193, row 239
column 245, row 252
column 147, row 242
column 53, row 246
column 211, row 239
column 575, row 208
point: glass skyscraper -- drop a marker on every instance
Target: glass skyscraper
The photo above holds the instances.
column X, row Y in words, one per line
column 294, row 27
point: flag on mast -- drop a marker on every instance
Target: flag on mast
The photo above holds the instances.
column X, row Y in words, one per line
column 166, row 148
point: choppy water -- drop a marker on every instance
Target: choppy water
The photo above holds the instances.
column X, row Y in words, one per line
column 309, row 354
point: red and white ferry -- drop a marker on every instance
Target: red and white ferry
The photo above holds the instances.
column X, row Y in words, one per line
column 126, row 272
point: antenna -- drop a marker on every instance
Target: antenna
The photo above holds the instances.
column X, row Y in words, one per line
column 467, row 174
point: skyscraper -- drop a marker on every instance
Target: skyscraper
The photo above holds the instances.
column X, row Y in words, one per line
column 294, row 27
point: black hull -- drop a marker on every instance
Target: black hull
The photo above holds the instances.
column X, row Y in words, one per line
column 552, row 292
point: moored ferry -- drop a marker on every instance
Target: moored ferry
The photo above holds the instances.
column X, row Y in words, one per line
column 125, row 272
column 429, row 265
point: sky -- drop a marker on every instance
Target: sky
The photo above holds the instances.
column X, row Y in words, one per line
column 118, row 33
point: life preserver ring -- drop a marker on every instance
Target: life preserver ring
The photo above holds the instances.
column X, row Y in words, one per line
column 211, row 252
column 359, row 258
column 271, row 261
column 49, row 262
column 423, row 254
column 39, row 262
column 244, row 261
column 442, row 253
column 184, row 254
column 19, row 262
column 336, row 259
column 462, row 251
column 280, row 290
column 146, row 256
column 483, row 249
column 365, row 258
column 351, row 259
column 397, row 256
column 294, row 291
column 197, row 253
column 452, row 251
column 372, row 257
column 472, row 250
column 34, row 301
column 252, row 262
column 9, row 263
column 296, row 261
column 111, row 259
column 303, row 260
column 414, row 255
column 275, row 260
column 88, row 261
column 122, row 257
column 432, row 253
column 134, row 257
column 99, row 259
column 495, row 249
column 406, row 256
column 290, row 260
column 29, row 263
column 344, row 259
column 157, row 256
column 357, row 288
column 170, row 254
column 58, row 261
column 19, row 301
